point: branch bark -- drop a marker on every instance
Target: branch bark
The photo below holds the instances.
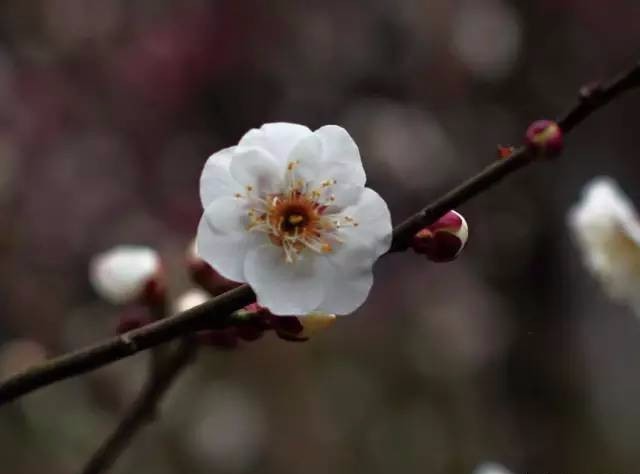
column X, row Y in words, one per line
column 215, row 313
column 143, row 411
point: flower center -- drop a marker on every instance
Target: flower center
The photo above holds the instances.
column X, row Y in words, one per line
column 298, row 218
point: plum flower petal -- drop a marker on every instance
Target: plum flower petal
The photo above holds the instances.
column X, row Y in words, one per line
column 121, row 274
column 606, row 228
column 276, row 138
column 292, row 288
column 291, row 216
column 215, row 180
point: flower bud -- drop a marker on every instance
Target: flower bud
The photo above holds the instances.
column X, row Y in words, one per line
column 126, row 274
column 301, row 328
column 133, row 318
column 205, row 276
column 443, row 240
column 505, row 152
column 545, row 138
column 251, row 322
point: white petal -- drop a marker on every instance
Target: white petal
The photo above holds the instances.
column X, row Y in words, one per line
column 605, row 226
column 374, row 228
column 227, row 215
column 313, row 168
column 352, row 279
column 604, row 206
column 225, row 252
column 277, row 138
column 286, row 288
column 216, row 181
column 344, row 195
column 341, row 155
column 256, row 167
column 120, row 274
column 308, row 154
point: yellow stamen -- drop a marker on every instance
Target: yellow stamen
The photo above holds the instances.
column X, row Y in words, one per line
column 295, row 219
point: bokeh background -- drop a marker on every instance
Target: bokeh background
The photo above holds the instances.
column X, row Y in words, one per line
column 108, row 110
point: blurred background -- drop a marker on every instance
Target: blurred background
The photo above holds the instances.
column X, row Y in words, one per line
column 108, row 110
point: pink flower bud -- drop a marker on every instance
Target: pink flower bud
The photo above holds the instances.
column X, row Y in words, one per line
column 545, row 138
column 443, row 240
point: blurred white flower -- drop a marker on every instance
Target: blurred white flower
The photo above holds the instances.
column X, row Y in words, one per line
column 121, row 275
column 190, row 299
column 491, row 468
column 227, row 431
column 606, row 227
column 287, row 211
column 487, row 38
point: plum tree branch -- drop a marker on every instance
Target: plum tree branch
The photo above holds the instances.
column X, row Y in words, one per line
column 143, row 410
column 216, row 312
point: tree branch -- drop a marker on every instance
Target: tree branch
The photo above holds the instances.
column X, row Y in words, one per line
column 144, row 409
column 215, row 313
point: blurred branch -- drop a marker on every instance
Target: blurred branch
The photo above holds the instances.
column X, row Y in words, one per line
column 215, row 314
column 144, row 408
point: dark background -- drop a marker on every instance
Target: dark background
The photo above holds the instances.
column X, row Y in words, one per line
column 108, row 110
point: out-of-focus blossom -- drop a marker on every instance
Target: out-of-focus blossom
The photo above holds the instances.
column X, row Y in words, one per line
column 288, row 212
column 607, row 230
column 443, row 240
column 227, row 409
column 487, row 37
column 126, row 273
column 491, row 468
column 190, row 299
column 406, row 144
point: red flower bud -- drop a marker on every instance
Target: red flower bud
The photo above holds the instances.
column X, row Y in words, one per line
column 505, row 152
column 443, row 240
column 545, row 138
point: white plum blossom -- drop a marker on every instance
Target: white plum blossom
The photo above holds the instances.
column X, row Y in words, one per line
column 121, row 274
column 607, row 229
column 287, row 211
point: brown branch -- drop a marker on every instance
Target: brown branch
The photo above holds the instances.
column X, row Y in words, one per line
column 215, row 313
column 143, row 411
column 592, row 98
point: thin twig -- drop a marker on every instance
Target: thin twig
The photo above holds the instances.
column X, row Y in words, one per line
column 215, row 313
column 143, row 410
